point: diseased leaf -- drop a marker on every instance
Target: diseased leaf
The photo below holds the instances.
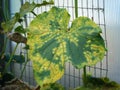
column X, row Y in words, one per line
column 45, row 46
column 85, row 45
column 17, row 37
column 52, row 43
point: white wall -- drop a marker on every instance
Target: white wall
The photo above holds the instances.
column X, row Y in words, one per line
column 112, row 11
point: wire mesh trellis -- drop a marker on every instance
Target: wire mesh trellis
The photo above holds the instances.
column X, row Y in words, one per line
column 94, row 9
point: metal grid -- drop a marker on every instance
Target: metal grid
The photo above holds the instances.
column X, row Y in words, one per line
column 94, row 9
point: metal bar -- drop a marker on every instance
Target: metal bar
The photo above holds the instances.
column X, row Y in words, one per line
column 105, row 38
column 99, row 25
column 87, row 8
column 82, row 7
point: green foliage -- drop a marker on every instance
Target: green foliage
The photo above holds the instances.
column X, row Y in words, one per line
column 52, row 43
column 25, row 8
column 16, row 58
column 6, row 77
column 26, row 47
column 98, row 88
column 52, row 86
column 48, row 63
column 29, row 7
column 20, row 29
column 94, row 83
column 8, row 25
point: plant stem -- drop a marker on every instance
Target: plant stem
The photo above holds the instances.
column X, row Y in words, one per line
column 11, row 57
column 6, row 10
column 24, row 67
column 33, row 13
column 4, row 47
column 84, row 76
column 76, row 8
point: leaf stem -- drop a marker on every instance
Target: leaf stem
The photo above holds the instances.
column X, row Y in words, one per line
column 11, row 57
column 4, row 48
column 33, row 13
column 24, row 67
column 84, row 76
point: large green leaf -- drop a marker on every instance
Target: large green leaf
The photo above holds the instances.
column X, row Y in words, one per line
column 52, row 43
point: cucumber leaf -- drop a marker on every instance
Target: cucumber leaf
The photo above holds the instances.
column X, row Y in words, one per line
column 52, row 44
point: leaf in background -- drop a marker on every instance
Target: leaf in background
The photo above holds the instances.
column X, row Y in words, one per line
column 27, row 7
column 7, row 77
column 20, row 29
column 16, row 58
column 26, row 47
column 17, row 37
column 8, row 26
column 52, row 43
column 19, row 58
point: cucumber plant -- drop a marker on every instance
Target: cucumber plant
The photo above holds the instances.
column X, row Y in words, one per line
column 52, row 43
